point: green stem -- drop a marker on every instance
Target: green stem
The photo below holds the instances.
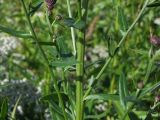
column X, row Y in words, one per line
column 80, row 69
column 117, row 48
column 45, row 58
column 72, row 29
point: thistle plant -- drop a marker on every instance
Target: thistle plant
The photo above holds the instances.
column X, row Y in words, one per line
column 70, row 82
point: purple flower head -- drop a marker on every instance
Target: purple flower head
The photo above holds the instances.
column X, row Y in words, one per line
column 50, row 4
column 155, row 40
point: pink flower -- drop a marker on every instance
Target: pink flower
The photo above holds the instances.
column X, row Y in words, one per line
column 50, row 4
column 155, row 40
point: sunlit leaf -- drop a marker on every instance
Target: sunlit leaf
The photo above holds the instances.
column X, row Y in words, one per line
column 102, row 97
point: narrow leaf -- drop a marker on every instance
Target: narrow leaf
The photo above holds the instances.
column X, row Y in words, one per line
column 102, row 97
column 4, row 109
column 64, row 63
column 45, row 43
column 15, row 33
column 121, row 91
column 122, row 20
column 155, row 4
column 33, row 9
column 14, row 109
column 54, row 97
column 150, row 89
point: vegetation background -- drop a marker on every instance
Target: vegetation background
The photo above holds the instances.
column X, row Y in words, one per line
column 27, row 90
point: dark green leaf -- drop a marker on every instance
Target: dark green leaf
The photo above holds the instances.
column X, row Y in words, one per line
column 54, row 97
column 79, row 24
column 4, row 109
column 155, row 4
column 133, row 116
column 33, row 8
column 148, row 117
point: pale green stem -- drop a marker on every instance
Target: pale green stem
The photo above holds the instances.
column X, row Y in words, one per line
column 79, row 70
column 72, row 29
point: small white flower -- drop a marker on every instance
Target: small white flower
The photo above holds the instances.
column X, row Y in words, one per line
column 20, row 109
column 157, row 21
column 7, row 44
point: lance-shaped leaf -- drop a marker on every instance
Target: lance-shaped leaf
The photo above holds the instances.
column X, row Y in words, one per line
column 64, row 63
column 15, row 33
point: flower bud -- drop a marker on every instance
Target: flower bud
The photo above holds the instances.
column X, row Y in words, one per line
column 155, row 40
column 50, row 4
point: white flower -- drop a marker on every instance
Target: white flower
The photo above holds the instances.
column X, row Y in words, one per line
column 157, row 21
column 7, row 44
column 20, row 109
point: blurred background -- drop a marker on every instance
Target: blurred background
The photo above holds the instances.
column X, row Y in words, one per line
column 23, row 72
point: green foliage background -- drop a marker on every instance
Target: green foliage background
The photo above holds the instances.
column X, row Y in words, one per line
column 130, row 63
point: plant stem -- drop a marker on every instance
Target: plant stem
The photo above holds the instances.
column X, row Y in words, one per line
column 117, row 48
column 80, row 69
column 45, row 58
column 72, row 29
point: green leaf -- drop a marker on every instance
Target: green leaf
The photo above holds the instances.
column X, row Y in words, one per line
column 155, row 4
column 79, row 24
column 99, row 116
column 120, row 111
column 70, row 22
column 45, row 43
column 102, row 97
column 122, row 20
column 54, row 97
column 150, row 89
column 122, row 91
column 33, row 7
column 14, row 109
column 4, row 109
column 126, row 92
column 133, row 116
column 149, row 117
column 64, row 63
column 63, row 47
column 15, row 33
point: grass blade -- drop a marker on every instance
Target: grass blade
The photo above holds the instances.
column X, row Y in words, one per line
column 14, row 109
